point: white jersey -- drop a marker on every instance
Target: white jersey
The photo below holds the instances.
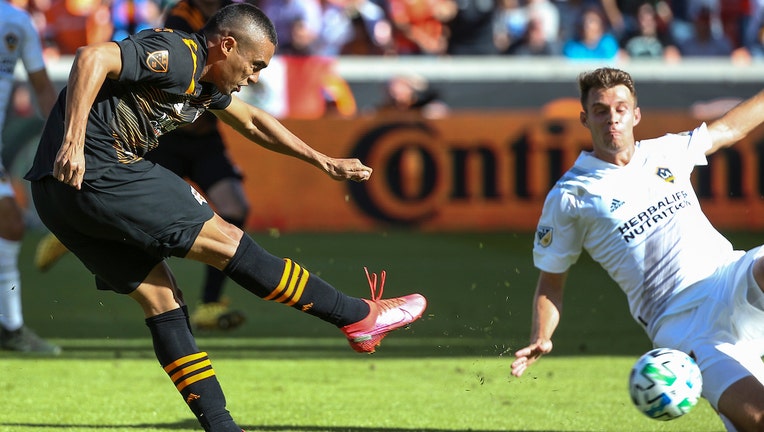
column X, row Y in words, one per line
column 18, row 40
column 642, row 222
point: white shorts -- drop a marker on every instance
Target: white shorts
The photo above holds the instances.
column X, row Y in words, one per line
column 725, row 331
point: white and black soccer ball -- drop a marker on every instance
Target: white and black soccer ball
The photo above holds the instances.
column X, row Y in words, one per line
column 665, row 384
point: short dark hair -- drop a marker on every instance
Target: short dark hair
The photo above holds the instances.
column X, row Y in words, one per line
column 604, row 78
column 242, row 21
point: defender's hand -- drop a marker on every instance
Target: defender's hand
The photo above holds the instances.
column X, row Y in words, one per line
column 527, row 356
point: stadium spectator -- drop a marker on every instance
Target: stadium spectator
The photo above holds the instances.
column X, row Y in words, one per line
column 534, row 42
column 510, row 24
column 298, row 24
column 123, row 215
column 418, row 26
column 470, row 27
column 354, row 27
column 632, row 206
column 131, row 16
column 593, row 40
column 20, row 41
column 548, row 15
column 707, row 39
column 648, row 41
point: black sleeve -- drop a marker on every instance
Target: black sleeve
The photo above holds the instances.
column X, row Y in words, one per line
column 160, row 57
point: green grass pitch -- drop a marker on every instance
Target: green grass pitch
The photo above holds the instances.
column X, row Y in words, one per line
column 286, row 371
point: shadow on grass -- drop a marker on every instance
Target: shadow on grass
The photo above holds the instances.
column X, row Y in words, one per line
column 193, row 425
column 285, row 348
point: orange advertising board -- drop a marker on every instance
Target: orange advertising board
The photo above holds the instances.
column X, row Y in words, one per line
column 467, row 172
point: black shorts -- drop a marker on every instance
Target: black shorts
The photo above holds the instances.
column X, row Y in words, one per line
column 124, row 223
column 203, row 159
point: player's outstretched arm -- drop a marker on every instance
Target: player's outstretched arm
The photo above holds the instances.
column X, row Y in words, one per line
column 547, row 308
column 737, row 122
column 92, row 65
column 44, row 90
column 265, row 130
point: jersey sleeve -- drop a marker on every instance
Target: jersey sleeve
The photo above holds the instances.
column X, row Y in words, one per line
column 164, row 58
column 700, row 143
column 31, row 51
column 219, row 101
column 558, row 242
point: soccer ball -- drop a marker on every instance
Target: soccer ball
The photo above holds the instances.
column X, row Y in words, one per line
column 665, row 384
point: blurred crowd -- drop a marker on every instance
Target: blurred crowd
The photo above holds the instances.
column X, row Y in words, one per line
column 577, row 29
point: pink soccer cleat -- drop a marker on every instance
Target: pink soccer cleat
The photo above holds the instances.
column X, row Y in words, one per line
column 384, row 316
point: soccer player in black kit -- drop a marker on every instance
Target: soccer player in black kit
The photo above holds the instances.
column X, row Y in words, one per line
column 123, row 215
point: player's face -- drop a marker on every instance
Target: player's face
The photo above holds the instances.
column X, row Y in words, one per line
column 610, row 116
column 244, row 63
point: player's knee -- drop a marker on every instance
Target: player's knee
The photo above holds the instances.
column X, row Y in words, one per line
column 11, row 220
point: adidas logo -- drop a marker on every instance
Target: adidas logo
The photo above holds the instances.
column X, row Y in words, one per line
column 615, row 204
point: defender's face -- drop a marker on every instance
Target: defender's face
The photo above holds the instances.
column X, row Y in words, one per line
column 610, row 116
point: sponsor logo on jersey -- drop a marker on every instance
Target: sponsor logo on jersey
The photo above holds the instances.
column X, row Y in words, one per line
column 544, row 236
column 654, row 215
column 158, row 61
column 665, row 174
column 615, row 204
column 198, row 196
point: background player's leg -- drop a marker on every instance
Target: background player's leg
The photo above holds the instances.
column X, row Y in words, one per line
column 14, row 335
column 190, row 369
column 214, row 312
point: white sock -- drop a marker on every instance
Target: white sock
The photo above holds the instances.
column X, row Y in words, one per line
column 11, row 317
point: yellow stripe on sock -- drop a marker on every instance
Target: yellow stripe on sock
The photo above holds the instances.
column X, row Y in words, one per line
column 293, row 280
column 300, row 288
column 192, row 379
column 187, row 370
column 183, row 360
column 282, row 282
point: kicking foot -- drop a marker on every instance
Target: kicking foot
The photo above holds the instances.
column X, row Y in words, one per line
column 385, row 315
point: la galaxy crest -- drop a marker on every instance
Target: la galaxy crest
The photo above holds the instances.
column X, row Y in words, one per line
column 11, row 41
column 544, row 236
column 665, row 174
column 158, row 61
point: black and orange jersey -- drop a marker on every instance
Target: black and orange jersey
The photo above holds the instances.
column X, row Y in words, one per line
column 186, row 16
column 157, row 91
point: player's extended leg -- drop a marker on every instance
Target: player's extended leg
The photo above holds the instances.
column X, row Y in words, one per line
column 364, row 322
column 743, row 404
column 14, row 335
column 214, row 312
column 189, row 368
